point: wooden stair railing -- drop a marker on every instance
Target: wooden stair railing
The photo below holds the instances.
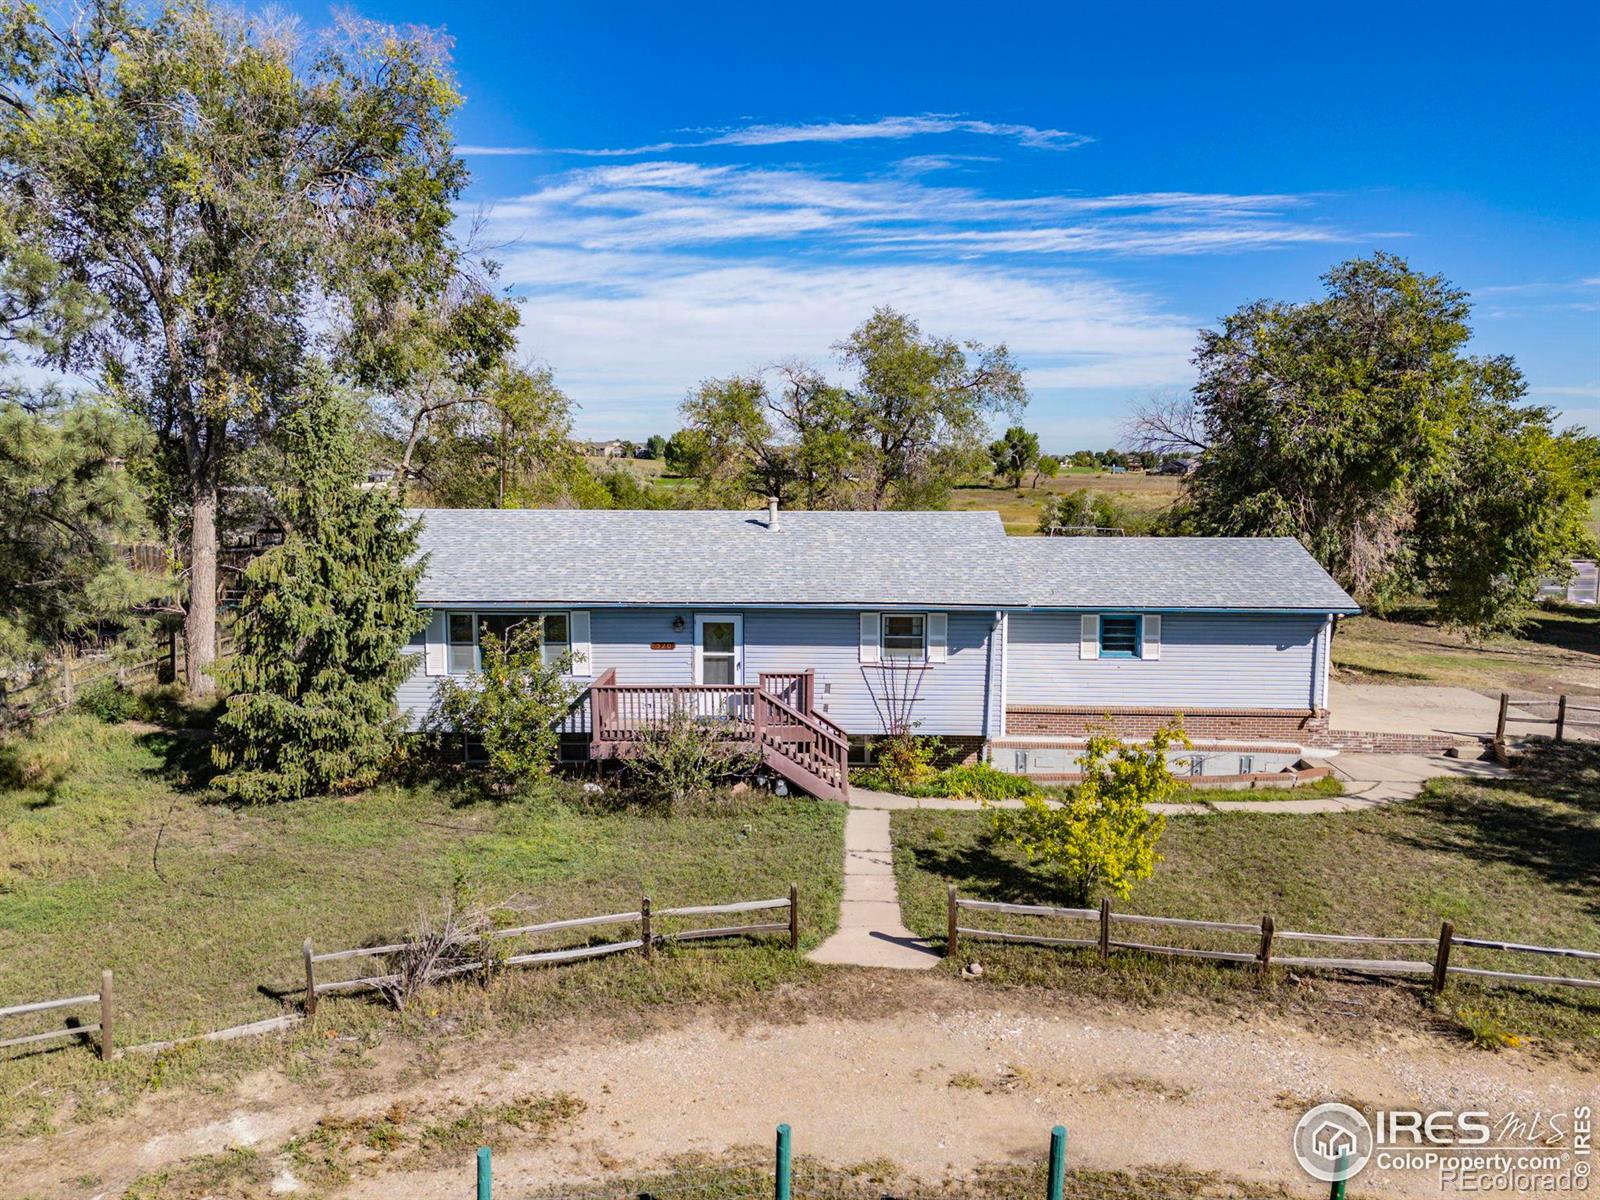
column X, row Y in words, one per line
column 804, row 747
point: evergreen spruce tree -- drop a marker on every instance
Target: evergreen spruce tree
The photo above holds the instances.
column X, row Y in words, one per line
column 322, row 621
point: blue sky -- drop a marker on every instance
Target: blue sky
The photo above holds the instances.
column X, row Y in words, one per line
column 681, row 191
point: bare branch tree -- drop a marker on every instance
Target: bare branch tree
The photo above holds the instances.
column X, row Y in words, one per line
column 1167, row 425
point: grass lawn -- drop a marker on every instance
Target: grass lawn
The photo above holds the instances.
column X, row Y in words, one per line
column 1557, row 651
column 200, row 908
column 1517, row 861
column 1019, row 507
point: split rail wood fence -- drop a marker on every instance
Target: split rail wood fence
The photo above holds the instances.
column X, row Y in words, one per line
column 1267, row 938
column 1565, row 712
column 645, row 917
column 102, row 998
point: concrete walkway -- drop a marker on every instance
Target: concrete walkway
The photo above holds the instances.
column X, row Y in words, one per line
column 870, row 931
column 1369, row 780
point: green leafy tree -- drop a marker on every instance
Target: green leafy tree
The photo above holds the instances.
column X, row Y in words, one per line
column 193, row 201
column 1014, row 454
column 511, row 706
column 1083, row 458
column 507, row 445
column 67, row 504
column 922, row 404
column 655, row 447
column 1081, row 511
column 912, row 422
column 321, row 621
column 1102, row 837
column 1048, row 466
column 1357, row 423
column 686, row 452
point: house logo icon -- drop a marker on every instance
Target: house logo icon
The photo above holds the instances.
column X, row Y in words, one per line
column 1333, row 1142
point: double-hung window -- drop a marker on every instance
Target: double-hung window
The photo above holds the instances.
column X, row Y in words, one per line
column 905, row 637
column 470, row 631
column 1121, row 637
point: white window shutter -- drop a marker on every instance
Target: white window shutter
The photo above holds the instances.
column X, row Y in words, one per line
column 869, row 637
column 436, row 652
column 582, row 652
column 938, row 636
column 1089, row 636
column 1152, row 637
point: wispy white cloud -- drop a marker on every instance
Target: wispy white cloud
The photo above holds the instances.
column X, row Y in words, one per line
column 642, row 278
column 819, row 132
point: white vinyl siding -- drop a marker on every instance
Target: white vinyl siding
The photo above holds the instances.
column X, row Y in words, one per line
column 1206, row 661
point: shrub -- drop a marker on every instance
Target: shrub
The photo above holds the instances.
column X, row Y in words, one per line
column 445, row 944
column 680, row 759
column 512, row 706
column 107, row 699
column 1101, row 835
column 903, row 762
column 980, row 781
column 43, row 759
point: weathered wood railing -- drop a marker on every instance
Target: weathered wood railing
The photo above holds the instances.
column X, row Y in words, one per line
column 103, row 1027
column 803, row 746
column 644, row 917
column 1267, row 936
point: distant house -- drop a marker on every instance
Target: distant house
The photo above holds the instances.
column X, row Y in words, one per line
column 615, row 448
column 820, row 631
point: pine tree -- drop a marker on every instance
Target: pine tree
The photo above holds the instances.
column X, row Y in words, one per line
column 322, row 621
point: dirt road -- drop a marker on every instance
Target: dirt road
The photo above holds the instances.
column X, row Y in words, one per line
column 964, row 1078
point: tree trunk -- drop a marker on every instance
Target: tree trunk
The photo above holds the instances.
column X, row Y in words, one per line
column 200, row 620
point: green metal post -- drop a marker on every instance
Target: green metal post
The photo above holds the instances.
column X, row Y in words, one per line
column 1336, row 1189
column 485, row 1175
column 783, row 1180
column 1058, row 1162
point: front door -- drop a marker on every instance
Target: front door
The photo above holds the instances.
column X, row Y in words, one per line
column 719, row 649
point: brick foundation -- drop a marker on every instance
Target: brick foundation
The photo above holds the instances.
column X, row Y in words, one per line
column 1364, row 742
column 1307, row 727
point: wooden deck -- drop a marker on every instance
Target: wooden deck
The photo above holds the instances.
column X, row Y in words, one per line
column 776, row 715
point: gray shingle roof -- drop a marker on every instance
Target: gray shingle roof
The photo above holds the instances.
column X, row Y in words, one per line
column 1174, row 573
column 672, row 557
column 846, row 559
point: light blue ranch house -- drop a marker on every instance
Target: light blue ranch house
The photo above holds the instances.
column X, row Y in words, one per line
column 811, row 634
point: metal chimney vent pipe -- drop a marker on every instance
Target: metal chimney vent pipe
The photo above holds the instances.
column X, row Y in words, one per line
column 772, row 512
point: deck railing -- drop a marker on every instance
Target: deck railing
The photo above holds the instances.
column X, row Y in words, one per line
column 772, row 714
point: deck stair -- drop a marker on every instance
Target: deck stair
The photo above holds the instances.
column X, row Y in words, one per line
column 776, row 715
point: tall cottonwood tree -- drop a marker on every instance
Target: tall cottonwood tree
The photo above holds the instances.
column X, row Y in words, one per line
column 1358, row 423
column 911, row 421
column 196, row 198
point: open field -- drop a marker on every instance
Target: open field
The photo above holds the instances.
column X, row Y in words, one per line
column 1557, row 651
column 1019, row 507
column 200, row 908
column 1518, row 860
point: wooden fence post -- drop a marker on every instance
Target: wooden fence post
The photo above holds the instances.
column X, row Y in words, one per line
column 1500, row 723
column 794, row 916
column 645, row 935
column 1105, row 929
column 108, row 1041
column 1056, row 1185
column 1441, row 960
column 1561, row 718
column 311, row 980
column 1267, row 928
column 952, row 939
